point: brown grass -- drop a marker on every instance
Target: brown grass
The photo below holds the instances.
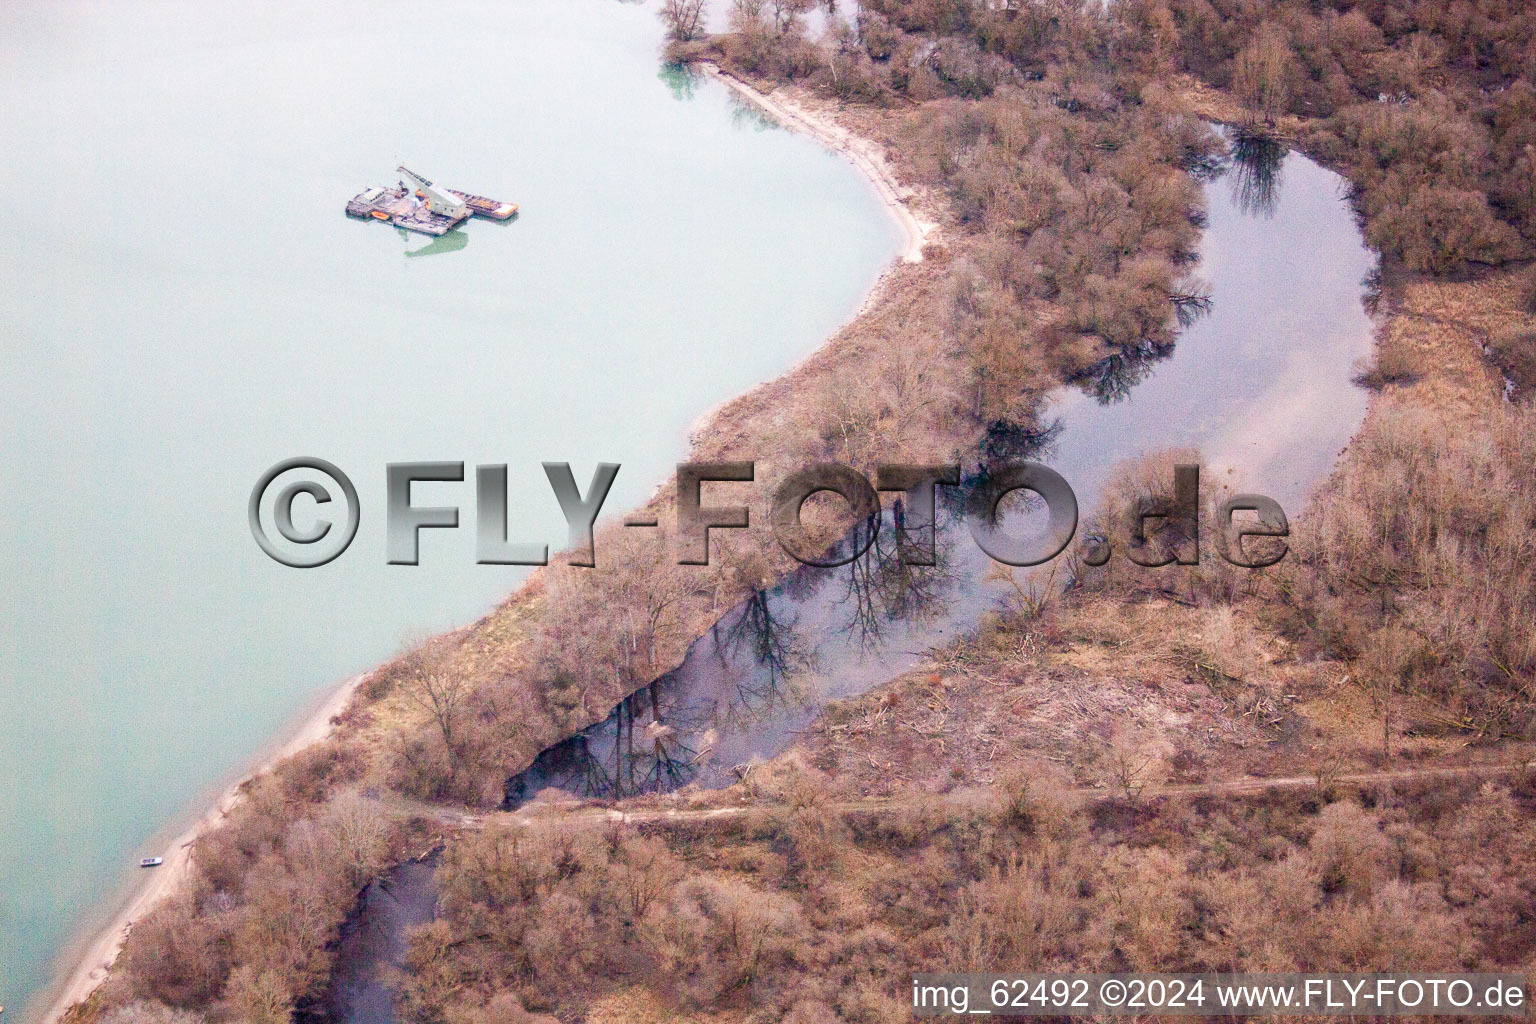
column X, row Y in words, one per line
column 1054, row 150
column 743, row 926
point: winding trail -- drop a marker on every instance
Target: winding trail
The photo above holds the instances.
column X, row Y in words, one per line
column 595, row 815
column 94, row 968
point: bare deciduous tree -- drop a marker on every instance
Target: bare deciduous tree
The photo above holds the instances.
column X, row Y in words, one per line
column 684, row 19
column 786, row 13
column 1261, row 75
column 441, row 693
column 1128, row 767
column 361, row 830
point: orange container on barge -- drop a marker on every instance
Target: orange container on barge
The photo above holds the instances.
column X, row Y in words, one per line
column 421, row 206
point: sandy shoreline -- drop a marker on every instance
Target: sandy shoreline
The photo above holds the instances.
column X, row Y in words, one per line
column 865, row 155
column 97, row 957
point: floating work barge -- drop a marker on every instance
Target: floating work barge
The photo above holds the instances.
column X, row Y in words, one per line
column 419, row 205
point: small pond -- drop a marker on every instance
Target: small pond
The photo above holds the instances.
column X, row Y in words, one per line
column 1262, row 385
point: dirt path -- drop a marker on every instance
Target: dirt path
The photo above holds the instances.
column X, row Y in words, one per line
column 104, row 950
column 584, row 813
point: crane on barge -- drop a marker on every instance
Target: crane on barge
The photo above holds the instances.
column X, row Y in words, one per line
column 438, row 200
column 419, row 204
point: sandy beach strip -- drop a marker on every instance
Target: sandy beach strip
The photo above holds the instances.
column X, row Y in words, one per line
column 97, row 956
column 865, row 154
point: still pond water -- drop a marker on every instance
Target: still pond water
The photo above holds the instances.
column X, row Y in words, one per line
column 1262, row 386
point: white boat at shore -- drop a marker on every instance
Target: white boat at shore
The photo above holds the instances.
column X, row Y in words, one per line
column 151, row 862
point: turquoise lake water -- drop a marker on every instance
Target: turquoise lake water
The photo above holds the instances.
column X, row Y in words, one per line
column 183, row 304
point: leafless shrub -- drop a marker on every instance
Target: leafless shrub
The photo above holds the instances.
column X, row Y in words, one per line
column 1262, row 72
column 1350, row 850
column 1387, row 366
column 1128, row 764
column 1026, row 911
column 719, row 938
column 1139, row 522
column 1038, row 802
column 684, row 19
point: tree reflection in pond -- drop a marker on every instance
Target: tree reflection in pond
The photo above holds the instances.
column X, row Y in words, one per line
column 1112, row 379
column 1257, row 163
column 749, row 686
column 880, row 588
column 770, row 636
column 754, row 674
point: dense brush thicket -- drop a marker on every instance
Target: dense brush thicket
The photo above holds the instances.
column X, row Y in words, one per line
column 1078, row 218
column 1057, row 136
column 1420, row 566
column 814, row 918
column 1426, row 105
column 1414, row 568
column 1083, row 225
column 247, row 937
